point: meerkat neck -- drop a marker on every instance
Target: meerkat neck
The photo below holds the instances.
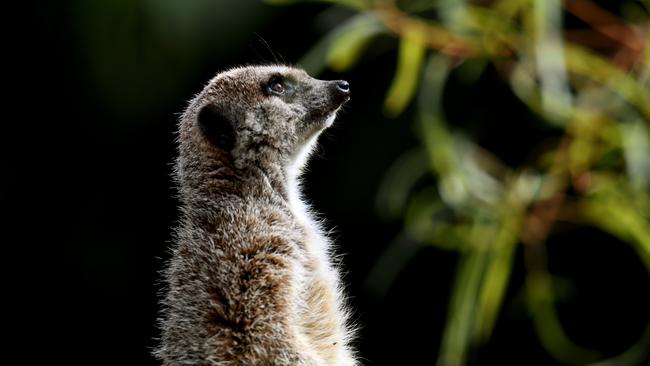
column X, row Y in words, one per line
column 293, row 180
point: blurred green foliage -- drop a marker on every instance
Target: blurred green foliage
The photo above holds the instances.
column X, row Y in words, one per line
column 596, row 173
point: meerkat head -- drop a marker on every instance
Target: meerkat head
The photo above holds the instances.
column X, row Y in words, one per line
column 259, row 113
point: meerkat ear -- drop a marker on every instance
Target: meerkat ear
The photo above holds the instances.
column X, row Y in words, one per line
column 216, row 127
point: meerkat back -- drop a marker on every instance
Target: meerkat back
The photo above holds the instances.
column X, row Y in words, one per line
column 251, row 280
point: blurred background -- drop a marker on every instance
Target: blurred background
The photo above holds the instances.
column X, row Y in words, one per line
column 488, row 183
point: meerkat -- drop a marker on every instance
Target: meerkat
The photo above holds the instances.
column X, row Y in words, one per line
column 251, row 280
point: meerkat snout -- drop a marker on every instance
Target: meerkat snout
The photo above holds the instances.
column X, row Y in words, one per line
column 343, row 87
column 341, row 91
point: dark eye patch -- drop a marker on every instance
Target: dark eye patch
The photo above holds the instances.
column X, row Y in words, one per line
column 280, row 85
column 275, row 85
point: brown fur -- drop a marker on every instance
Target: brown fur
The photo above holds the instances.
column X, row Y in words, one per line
column 251, row 281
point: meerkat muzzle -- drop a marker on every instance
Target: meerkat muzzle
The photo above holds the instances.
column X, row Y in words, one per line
column 341, row 91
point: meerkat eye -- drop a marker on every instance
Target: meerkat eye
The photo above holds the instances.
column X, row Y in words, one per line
column 276, row 86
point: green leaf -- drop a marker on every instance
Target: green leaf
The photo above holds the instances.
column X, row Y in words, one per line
column 409, row 63
column 465, row 294
column 636, row 145
column 497, row 273
column 556, row 98
column 622, row 214
column 541, row 304
column 428, row 220
column 588, row 64
column 347, row 47
column 316, row 59
column 398, row 181
column 437, row 138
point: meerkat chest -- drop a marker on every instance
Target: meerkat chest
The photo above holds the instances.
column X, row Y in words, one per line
column 315, row 241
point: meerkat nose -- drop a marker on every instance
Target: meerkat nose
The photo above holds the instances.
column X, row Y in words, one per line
column 343, row 86
column 341, row 90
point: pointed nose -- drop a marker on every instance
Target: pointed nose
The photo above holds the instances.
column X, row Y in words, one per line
column 343, row 86
column 341, row 91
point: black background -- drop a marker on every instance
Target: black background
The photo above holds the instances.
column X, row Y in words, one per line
column 90, row 116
